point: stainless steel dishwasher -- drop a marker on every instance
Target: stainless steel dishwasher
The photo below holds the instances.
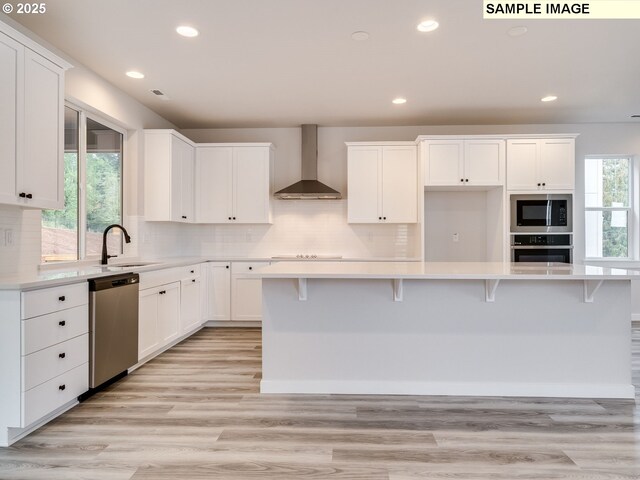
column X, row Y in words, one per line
column 113, row 326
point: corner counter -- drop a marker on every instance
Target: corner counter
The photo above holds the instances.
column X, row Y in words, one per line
column 447, row 329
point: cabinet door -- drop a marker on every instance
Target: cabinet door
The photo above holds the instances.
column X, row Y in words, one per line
column 484, row 162
column 41, row 170
column 399, row 184
column 11, row 81
column 148, row 339
column 168, row 313
column 214, row 182
column 189, row 304
column 443, row 162
column 246, row 291
column 181, row 180
column 364, row 184
column 557, row 164
column 219, row 291
column 522, row 160
column 251, row 194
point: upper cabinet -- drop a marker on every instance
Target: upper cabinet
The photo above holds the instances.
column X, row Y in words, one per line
column 382, row 183
column 31, row 123
column 541, row 164
column 456, row 161
column 234, row 183
column 169, row 177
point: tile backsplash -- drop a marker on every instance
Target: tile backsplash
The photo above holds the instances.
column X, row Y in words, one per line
column 318, row 227
column 20, row 240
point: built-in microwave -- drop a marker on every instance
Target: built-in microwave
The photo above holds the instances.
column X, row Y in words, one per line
column 541, row 213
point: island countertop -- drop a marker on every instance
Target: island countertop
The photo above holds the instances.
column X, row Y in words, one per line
column 444, row 271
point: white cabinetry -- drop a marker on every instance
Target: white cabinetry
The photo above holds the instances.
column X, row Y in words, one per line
column 459, row 161
column 233, row 292
column 159, row 317
column 382, row 183
column 246, row 291
column 219, row 291
column 43, row 354
column 190, row 299
column 31, row 123
column 234, row 183
column 541, row 164
column 169, row 176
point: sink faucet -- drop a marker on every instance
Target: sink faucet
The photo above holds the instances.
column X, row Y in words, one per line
column 127, row 239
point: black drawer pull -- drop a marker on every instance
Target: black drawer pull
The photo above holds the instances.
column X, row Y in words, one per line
column 226, row 266
column 384, row 218
column 62, row 387
column 193, row 280
column 62, row 355
column 62, row 323
column 62, row 298
column 250, row 268
column 193, row 271
column 229, row 218
column 29, row 195
column 22, row 195
column 234, row 218
column 162, row 292
column 184, row 216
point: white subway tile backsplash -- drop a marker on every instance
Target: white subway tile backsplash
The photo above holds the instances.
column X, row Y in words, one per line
column 20, row 240
column 318, row 227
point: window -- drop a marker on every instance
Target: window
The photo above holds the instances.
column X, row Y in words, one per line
column 92, row 191
column 608, row 208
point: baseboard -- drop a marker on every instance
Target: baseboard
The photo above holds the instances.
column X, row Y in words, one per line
column 448, row 388
column 234, row 323
column 15, row 434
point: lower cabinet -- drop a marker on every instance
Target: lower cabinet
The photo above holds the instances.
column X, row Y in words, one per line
column 246, row 291
column 233, row 292
column 158, row 317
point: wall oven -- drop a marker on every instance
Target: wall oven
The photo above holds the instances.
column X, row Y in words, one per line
column 542, row 248
column 541, row 213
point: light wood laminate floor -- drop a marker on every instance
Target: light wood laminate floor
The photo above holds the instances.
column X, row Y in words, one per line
column 195, row 412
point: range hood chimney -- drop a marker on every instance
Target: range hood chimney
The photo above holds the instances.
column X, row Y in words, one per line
column 309, row 188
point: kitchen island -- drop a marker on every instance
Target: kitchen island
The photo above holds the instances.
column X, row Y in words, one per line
column 505, row 329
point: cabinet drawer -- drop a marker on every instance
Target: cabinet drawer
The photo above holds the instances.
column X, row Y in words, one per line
column 42, row 366
column 244, row 268
column 49, row 300
column 190, row 271
column 47, row 397
column 46, row 330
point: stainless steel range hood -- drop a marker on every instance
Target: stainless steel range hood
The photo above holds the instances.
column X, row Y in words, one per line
column 309, row 188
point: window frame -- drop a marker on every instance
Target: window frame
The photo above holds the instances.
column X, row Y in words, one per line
column 85, row 113
column 631, row 209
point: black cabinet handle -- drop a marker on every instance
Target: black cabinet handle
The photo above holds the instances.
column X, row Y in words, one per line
column 226, row 266
column 192, row 271
column 234, row 218
column 229, row 218
column 193, row 280
column 250, row 268
column 384, row 218
column 29, row 195
column 544, row 184
column 462, row 179
column 62, row 355
column 162, row 292
column 62, row 298
column 379, row 218
column 539, row 184
column 22, row 195
column 466, row 179
column 62, row 323
column 62, row 387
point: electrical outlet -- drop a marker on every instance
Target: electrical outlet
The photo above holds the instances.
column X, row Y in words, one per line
column 456, row 237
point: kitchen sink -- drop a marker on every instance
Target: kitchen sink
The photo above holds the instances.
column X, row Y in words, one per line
column 120, row 266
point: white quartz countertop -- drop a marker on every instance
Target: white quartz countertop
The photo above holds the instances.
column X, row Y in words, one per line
column 443, row 271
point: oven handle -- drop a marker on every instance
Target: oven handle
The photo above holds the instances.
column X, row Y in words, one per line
column 541, row 247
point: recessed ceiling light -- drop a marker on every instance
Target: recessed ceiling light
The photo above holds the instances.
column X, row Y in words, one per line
column 399, row 101
column 134, row 74
column 549, row 98
column 517, row 31
column 360, row 36
column 187, row 31
column 428, row 26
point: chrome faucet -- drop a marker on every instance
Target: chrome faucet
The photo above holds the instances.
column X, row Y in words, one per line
column 127, row 239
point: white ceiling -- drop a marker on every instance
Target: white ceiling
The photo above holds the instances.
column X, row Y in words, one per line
column 286, row 62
